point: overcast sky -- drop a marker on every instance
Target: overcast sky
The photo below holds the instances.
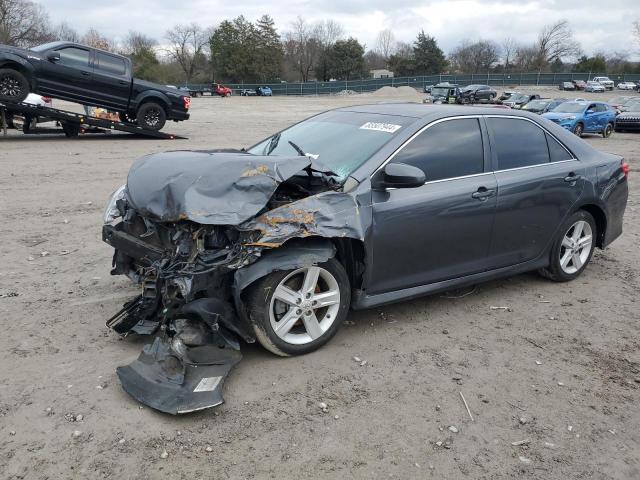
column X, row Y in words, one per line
column 599, row 25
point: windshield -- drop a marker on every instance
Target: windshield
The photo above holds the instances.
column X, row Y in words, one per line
column 439, row 91
column 45, row 47
column 341, row 141
column 536, row 104
column 570, row 107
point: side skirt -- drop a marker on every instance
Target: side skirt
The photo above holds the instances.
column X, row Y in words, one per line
column 360, row 300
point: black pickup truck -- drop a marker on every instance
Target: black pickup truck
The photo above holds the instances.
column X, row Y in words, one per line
column 89, row 76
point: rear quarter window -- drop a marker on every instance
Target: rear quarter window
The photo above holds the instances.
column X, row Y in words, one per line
column 111, row 64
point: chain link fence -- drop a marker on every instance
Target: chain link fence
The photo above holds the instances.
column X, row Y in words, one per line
column 419, row 82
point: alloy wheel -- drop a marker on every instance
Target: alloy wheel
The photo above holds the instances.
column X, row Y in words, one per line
column 576, row 247
column 304, row 305
column 10, row 86
column 578, row 130
column 152, row 117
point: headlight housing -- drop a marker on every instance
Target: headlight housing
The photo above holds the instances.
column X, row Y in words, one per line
column 111, row 212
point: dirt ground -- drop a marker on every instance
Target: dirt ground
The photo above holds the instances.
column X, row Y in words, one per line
column 557, row 370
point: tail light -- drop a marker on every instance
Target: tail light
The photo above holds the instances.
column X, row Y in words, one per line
column 625, row 168
column 187, row 102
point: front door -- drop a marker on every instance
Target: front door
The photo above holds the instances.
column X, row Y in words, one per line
column 539, row 181
column 440, row 230
column 69, row 77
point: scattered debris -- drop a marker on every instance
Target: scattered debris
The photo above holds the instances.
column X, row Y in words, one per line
column 12, row 433
column 549, row 445
column 48, row 411
column 560, row 384
column 466, row 406
column 44, row 253
column 445, row 331
column 453, row 429
column 363, row 363
column 357, row 359
column 612, row 432
column 438, row 408
column 324, row 407
column 208, row 449
column 570, row 428
column 533, row 343
column 64, row 252
column 337, row 417
column 525, row 460
column 164, row 454
column 538, row 362
column 500, row 308
column 121, row 441
column 76, row 434
column 523, row 420
column 519, row 443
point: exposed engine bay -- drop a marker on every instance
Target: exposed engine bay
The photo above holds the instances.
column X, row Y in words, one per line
column 182, row 228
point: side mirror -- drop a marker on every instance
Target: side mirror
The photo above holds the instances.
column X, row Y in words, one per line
column 53, row 57
column 590, row 111
column 399, row 175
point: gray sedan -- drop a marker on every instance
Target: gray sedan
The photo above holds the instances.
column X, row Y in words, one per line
column 349, row 209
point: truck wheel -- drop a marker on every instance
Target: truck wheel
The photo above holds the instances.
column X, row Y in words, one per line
column 151, row 116
column 14, row 86
column 608, row 130
column 228, row 94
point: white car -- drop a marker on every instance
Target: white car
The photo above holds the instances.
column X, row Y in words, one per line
column 606, row 82
column 594, row 86
column 626, row 86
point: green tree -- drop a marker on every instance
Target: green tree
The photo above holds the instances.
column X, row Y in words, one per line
column 596, row 64
column 428, row 57
column 268, row 51
column 141, row 50
column 346, row 59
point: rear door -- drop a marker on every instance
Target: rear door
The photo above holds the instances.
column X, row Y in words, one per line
column 69, row 77
column 442, row 229
column 538, row 181
column 111, row 80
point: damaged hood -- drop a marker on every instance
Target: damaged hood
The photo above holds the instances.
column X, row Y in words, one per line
column 211, row 188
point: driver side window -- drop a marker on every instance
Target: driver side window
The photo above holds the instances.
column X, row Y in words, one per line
column 74, row 57
column 449, row 149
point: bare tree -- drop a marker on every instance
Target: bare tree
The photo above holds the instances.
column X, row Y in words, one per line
column 385, row 43
column 302, row 48
column 186, row 48
column 327, row 32
column 636, row 31
column 474, row 57
column 555, row 42
column 93, row 38
column 64, row 32
column 509, row 46
column 23, row 23
column 136, row 42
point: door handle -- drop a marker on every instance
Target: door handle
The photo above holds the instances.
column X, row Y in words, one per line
column 84, row 73
column 483, row 193
column 122, row 82
column 572, row 177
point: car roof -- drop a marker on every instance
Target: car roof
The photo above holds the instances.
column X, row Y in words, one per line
column 429, row 111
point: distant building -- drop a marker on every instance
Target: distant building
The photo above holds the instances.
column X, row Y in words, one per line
column 381, row 73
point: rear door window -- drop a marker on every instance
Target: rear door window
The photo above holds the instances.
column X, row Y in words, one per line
column 448, row 149
column 110, row 64
column 74, row 57
column 518, row 143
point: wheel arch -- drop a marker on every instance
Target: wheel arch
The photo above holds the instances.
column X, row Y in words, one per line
column 23, row 67
column 152, row 97
column 600, row 218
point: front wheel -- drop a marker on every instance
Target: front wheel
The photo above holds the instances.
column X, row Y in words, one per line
column 14, row 86
column 297, row 311
column 608, row 130
column 578, row 130
column 151, row 116
column 572, row 249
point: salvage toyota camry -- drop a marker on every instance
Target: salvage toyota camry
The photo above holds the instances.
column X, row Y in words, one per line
column 351, row 208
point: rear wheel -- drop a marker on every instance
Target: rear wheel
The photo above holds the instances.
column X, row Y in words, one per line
column 572, row 249
column 151, row 116
column 608, row 130
column 297, row 311
column 14, row 86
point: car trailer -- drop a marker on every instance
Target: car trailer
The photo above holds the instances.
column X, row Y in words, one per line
column 72, row 123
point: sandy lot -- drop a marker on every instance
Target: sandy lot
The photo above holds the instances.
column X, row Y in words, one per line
column 558, row 371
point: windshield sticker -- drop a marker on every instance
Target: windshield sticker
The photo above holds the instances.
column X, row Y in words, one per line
column 381, row 127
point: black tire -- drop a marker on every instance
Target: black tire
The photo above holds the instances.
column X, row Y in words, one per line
column 228, row 94
column 151, row 116
column 555, row 271
column 14, row 86
column 258, row 300
column 608, row 130
column 578, row 130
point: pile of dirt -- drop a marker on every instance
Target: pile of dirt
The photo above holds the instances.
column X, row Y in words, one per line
column 404, row 91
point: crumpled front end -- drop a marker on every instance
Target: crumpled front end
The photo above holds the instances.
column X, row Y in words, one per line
column 182, row 228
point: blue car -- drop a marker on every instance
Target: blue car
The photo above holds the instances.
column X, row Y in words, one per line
column 584, row 117
column 264, row 91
